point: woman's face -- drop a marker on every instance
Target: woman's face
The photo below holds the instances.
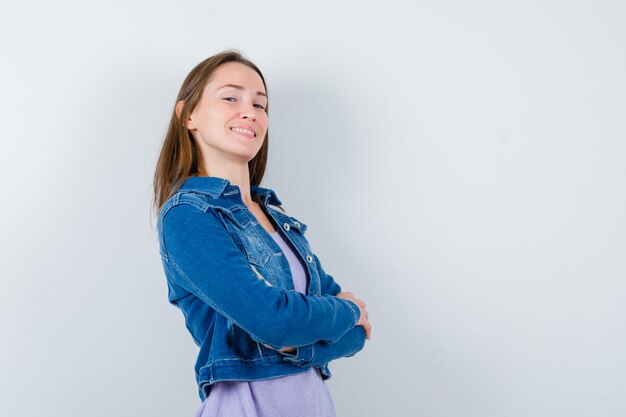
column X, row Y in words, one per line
column 229, row 122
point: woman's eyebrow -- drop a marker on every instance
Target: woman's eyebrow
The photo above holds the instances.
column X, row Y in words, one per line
column 238, row 87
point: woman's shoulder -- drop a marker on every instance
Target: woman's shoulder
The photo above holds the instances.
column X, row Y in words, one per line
column 183, row 198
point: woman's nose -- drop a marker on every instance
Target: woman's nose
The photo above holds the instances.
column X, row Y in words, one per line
column 247, row 113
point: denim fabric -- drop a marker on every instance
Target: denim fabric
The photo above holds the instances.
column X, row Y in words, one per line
column 231, row 281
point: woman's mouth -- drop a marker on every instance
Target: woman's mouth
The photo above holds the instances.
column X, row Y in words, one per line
column 245, row 132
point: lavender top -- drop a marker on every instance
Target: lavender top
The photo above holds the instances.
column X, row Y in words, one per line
column 304, row 394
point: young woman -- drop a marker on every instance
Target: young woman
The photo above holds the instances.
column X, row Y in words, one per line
column 255, row 298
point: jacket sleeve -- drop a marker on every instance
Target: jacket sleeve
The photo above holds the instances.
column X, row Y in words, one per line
column 202, row 258
column 328, row 285
column 320, row 353
column 324, row 351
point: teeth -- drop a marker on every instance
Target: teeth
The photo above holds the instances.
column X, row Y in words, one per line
column 239, row 130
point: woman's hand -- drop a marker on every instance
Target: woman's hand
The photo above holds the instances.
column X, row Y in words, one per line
column 288, row 349
column 364, row 319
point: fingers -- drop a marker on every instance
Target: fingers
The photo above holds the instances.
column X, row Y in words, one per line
column 366, row 324
column 364, row 314
column 368, row 329
column 349, row 296
column 364, row 321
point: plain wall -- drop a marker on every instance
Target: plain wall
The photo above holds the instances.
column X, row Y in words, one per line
column 461, row 167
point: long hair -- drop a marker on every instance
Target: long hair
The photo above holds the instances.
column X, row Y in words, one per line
column 180, row 157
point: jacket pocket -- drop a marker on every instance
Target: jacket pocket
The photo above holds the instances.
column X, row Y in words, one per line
column 255, row 249
column 246, row 239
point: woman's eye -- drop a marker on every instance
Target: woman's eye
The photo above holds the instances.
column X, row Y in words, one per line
column 231, row 99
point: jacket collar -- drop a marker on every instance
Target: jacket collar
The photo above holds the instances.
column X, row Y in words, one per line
column 216, row 187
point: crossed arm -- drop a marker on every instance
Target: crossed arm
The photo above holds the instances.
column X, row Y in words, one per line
column 322, row 352
column 321, row 328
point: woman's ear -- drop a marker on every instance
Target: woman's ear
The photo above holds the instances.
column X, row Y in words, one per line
column 179, row 109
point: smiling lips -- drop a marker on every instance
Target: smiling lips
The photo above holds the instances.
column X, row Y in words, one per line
column 243, row 131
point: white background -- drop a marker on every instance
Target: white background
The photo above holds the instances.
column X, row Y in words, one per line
column 461, row 166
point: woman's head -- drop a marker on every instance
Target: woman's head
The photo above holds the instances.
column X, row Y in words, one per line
column 201, row 123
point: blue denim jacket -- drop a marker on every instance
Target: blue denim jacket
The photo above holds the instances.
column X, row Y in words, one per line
column 231, row 281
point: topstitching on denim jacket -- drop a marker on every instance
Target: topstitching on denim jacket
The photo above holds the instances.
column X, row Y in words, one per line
column 228, row 277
